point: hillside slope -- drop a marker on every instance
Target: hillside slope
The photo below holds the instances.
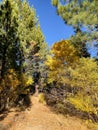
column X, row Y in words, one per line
column 39, row 117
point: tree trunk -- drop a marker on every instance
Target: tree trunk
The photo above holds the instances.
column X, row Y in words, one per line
column 3, row 65
column 36, row 89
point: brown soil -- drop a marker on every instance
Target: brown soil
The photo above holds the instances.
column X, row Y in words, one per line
column 39, row 117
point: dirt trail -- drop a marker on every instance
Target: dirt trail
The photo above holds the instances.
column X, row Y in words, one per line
column 40, row 117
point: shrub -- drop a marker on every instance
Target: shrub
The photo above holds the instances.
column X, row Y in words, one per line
column 14, row 89
column 41, row 98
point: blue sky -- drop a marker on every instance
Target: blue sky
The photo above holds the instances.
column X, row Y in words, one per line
column 53, row 27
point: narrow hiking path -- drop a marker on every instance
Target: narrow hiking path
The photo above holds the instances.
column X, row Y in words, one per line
column 40, row 117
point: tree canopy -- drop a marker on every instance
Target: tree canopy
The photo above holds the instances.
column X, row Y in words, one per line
column 22, row 47
column 67, row 74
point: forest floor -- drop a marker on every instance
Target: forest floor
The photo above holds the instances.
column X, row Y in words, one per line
column 39, row 117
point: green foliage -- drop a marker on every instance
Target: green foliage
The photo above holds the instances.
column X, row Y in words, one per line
column 9, row 48
column 22, row 50
column 80, row 44
column 82, row 15
column 71, row 11
column 32, row 41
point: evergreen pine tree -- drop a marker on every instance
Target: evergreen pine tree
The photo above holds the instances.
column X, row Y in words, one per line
column 9, row 46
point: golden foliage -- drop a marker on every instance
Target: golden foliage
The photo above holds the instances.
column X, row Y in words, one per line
column 12, row 86
column 10, row 80
column 8, row 89
column 85, row 78
column 84, row 103
column 85, row 75
column 41, row 97
column 63, row 54
column 79, row 74
column 26, row 81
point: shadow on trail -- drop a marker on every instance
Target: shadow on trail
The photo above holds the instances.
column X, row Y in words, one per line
column 3, row 115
